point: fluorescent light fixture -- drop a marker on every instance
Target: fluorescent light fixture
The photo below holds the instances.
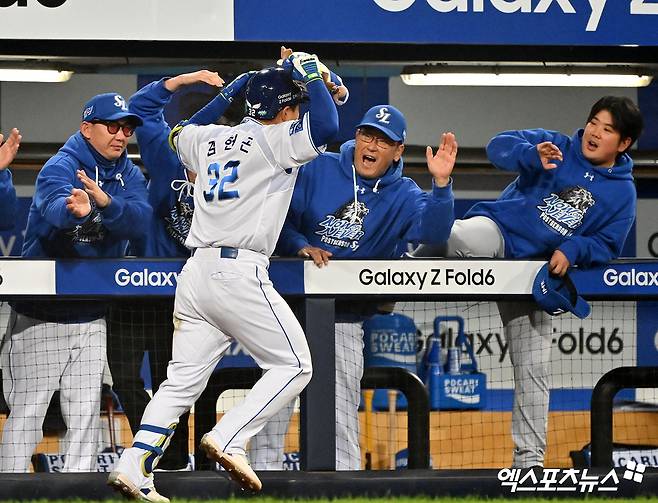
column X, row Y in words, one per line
column 33, row 75
column 534, row 76
column 525, row 79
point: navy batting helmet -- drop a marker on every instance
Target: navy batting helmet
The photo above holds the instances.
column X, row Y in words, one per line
column 270, row 90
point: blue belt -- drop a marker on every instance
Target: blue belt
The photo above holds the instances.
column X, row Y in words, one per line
column 224, row 252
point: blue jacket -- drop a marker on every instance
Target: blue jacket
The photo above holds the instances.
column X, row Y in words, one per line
column 52, row 231
column 172, row 207
column 390, row 210
column 8, row 201
column 581, row 209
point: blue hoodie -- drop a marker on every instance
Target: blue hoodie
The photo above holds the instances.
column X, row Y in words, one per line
column 172, row 206
column 390, row 210
column 583, row 210
column 8, row 201
column 52, row 231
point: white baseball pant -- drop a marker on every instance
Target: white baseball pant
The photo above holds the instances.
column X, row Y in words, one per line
column 217, row 300
column 267, row 448
column 39, row 358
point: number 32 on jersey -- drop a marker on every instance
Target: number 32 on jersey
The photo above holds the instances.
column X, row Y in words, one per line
column 220, row 178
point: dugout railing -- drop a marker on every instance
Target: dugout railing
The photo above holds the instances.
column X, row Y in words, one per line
column 313, row 293
column 602, row 407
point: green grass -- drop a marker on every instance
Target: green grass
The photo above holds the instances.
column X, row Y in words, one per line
column 262, row 499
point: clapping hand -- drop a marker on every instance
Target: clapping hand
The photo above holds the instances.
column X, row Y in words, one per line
column 548, row 152
column 78, row 203
column 101, row 198
column 441, row 164
column 9, row 148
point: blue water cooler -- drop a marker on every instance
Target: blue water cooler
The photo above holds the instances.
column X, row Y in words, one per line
column 389, row 340
column 459, row 385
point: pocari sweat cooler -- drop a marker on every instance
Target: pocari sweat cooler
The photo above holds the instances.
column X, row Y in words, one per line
column 390, row 340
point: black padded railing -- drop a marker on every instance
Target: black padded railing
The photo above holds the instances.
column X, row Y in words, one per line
column 602, row 399
column 418, row 409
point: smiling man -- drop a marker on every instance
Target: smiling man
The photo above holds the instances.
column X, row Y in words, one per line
column 573, row 203
column 356, row 204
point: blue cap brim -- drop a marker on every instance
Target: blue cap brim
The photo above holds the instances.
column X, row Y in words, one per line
column 553, row 299
column 384, row 130
column 582, row 309
column 124, row 115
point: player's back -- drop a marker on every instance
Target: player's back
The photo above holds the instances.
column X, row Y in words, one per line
column 245, row 178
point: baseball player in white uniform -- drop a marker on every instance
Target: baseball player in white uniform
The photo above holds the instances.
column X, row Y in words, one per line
column 245, row 179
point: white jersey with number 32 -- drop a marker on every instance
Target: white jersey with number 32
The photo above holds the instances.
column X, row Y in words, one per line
column 245, row 178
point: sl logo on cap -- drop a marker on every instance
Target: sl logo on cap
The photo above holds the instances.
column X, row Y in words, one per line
column 383, row 115
column 87, row 112
column 120, row 102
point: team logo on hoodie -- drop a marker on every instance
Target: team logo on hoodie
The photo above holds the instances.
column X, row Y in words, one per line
column 179, row 221
column 91, row 231
column 564, row 212
column 345, row 227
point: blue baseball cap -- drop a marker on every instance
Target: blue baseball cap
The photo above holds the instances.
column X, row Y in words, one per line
column 108, row 107
column 557, row 295
column 388, row 120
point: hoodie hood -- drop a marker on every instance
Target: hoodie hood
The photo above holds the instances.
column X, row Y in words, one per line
column 622, row 170
column 392, row 174
column 96, row 166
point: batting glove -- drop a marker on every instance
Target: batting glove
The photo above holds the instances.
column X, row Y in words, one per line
column 236, row 86
column 305, row 67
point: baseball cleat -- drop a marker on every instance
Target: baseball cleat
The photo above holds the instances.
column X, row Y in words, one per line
column 121, row 483
column 236, row 465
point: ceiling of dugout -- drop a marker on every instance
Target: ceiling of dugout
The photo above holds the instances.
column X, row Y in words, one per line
column 119, row 56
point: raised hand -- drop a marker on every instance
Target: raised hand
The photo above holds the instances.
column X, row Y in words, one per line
column 548, row 152
column 78, row 203
column 101, row 198
column 285, row 54
column 9, row 148
column 441, row 164
column 185, row 79
column 305, row 67
column 338, row 91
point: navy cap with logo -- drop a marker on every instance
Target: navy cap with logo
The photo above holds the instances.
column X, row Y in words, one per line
column 108, row 107
column 387, row 119
column 557, row 295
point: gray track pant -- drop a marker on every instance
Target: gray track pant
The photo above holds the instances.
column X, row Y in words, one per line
column 528, row 331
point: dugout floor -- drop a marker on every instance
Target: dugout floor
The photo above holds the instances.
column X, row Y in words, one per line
column 289, row 485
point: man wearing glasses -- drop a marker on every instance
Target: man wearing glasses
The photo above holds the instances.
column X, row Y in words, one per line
column 356, row 204
column 89, row 200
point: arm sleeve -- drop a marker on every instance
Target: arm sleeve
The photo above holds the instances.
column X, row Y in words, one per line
column 291, row 239
column 8, row 201
column 160, row 161
column 432, row 216
column 323, row 116
column 128, row 215
column 599, row 248
column 212, row 111
column 54, row 185
column 516, row 150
